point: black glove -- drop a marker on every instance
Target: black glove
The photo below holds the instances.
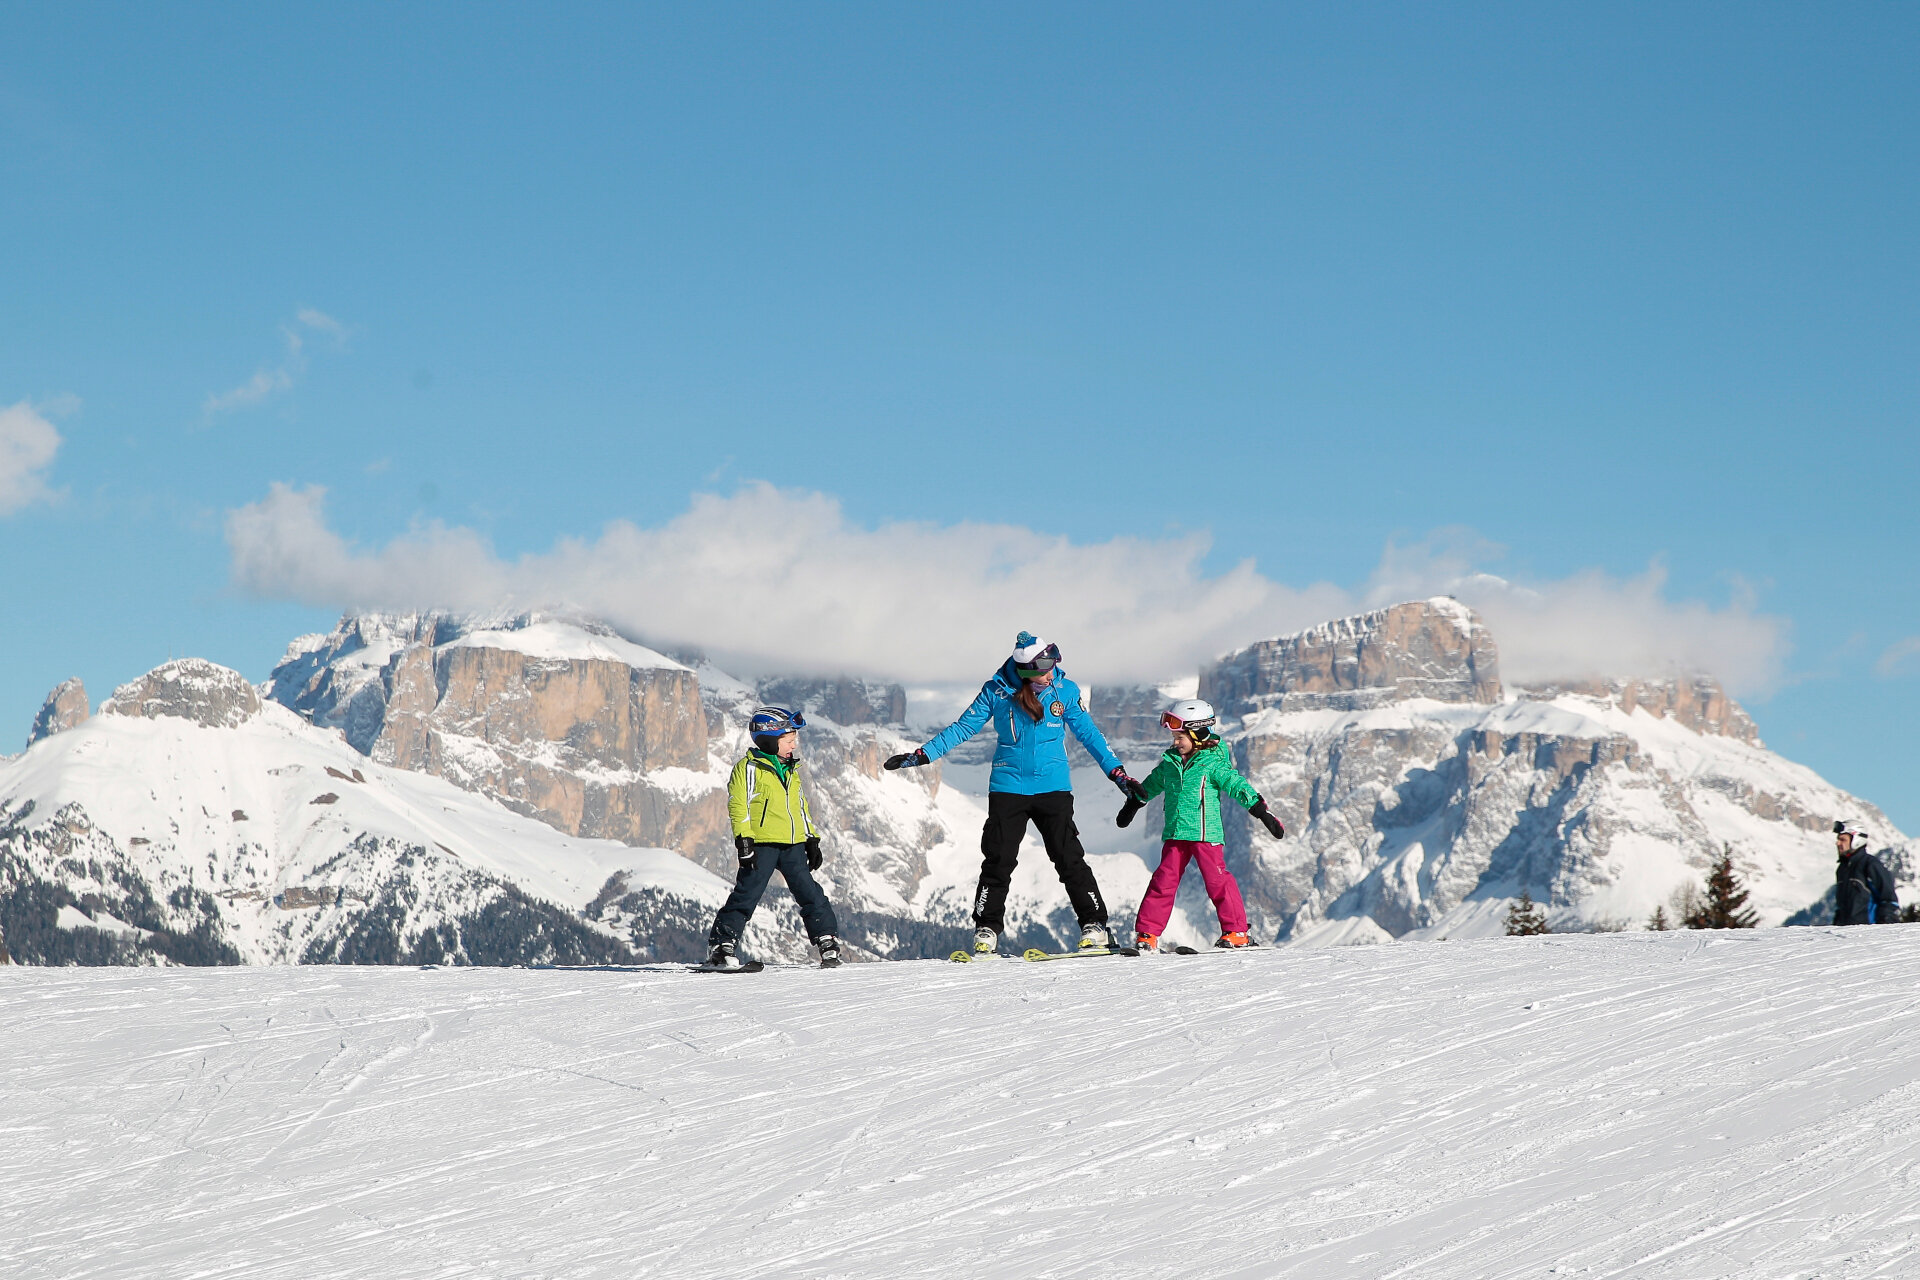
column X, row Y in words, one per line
column 1266, row 819
column 1127, row 810
column 911, row 760
column 1130, row 788
column 743, row 847
column 814, row 856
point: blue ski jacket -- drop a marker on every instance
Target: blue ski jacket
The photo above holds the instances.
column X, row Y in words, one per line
column 1032, row 757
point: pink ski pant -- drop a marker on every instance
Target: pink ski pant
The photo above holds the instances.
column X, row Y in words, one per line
column 1157, row 906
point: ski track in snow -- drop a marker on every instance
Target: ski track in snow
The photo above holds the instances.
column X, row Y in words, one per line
column 1674, row 1105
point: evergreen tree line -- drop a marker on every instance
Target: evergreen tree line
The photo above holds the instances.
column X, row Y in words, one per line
column 1722, row 904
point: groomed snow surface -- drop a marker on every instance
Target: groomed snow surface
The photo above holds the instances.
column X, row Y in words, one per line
column 1685, row 1105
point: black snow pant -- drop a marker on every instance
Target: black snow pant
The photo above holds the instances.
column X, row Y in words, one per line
column 1052, row 815
column 791, row 860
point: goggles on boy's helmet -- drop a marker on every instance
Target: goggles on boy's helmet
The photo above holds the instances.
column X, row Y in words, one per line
column 771, row 722
column 1190, row 715
column 1036, row 658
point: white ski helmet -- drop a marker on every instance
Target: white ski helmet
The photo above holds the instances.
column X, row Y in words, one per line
column 1190, row 714
column 1853, row 829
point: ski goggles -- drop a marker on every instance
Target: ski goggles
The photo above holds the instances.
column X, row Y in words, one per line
column 1175, row 723
column 769, row 722
column 1039, row 664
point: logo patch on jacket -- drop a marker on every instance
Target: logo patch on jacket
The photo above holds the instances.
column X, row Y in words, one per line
column 1057, row 709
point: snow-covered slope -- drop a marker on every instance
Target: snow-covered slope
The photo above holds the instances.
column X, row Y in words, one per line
column 1685, row 1106
column 192, row 821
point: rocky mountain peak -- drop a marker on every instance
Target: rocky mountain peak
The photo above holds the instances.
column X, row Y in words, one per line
column 190, row 688
column 1436, row 649
column 1698, row 702
column 64, row 708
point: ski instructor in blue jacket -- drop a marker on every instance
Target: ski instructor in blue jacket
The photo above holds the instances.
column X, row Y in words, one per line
column 1032, row 704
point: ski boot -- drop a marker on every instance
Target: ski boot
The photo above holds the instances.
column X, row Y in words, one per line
column 1148, row 943
column 1095, row 935
column 1232, row 940
column 829, row 951
column 985, row 941
column 720, row 956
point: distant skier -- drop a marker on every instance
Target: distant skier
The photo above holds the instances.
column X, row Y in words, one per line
column 1032, row 705
column 772, row 830
column 1863, row 887
column 1192, row 775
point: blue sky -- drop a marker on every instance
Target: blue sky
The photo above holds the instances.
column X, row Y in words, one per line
column 1569, row 294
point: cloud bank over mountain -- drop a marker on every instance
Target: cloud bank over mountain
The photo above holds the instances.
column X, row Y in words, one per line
column 940, row 603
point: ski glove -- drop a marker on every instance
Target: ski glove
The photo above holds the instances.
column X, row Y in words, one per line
column 1127, row 810
column 1128, row 786
column 814, row 856
column 911, row 760
column 1259, row 812
column 743, row 846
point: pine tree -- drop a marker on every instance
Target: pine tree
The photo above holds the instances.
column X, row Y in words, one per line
column 1725, row 906
column 1658, row 922
column 1910, row 914
column 1525, row 919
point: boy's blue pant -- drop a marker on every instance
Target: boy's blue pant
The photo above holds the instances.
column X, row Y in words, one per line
column 791, row 859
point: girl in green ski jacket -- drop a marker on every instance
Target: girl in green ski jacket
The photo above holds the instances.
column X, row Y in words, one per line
column 1192, row 775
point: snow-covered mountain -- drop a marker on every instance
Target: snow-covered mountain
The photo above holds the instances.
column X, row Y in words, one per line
column 192, row 821
column 1424, row 794
column 1421, row 794
column 562, row 720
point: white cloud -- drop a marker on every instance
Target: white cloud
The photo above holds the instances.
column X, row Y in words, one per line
column 321, row 322
column 28, row 443
column 1591, row 623
column 268, row 381
column 1901, row 657
column 262, row 384
column 775, row 580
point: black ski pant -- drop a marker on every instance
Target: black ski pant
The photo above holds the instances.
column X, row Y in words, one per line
column 791, row 860
column 1051, row 813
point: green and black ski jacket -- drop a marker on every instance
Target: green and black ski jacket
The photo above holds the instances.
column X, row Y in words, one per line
column 1192, row 787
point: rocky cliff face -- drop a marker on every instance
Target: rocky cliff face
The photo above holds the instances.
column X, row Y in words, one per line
column 1434, row 649
column 64, row 708
column 1698, row 702
column 565, row 722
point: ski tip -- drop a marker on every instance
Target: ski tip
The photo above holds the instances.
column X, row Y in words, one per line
column 1033, row 953
column 961, row 957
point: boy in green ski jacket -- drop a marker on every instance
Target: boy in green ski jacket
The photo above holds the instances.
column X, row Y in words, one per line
column 772, row 831
column 1192, row 774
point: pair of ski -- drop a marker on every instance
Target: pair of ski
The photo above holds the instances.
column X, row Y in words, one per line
column 1035, row 954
